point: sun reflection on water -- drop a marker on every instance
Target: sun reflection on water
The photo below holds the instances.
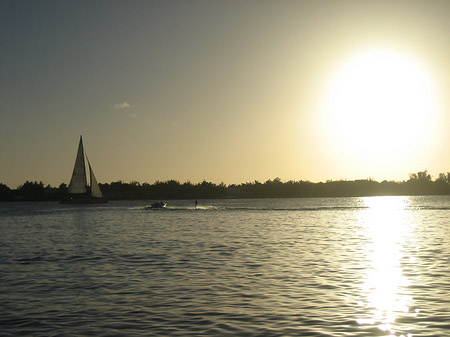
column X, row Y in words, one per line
column 384, row 289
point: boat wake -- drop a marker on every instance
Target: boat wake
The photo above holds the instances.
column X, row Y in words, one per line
column 237, row 208
column 182, row 208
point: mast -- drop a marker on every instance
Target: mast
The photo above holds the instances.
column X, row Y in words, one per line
column 78, row 183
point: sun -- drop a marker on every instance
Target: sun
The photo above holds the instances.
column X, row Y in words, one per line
column 379, row 106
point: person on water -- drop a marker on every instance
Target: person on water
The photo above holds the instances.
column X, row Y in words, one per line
column 196, row 203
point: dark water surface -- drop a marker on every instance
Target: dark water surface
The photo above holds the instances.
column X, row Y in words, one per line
column 376, row 266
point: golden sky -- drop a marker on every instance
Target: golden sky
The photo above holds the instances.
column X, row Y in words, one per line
column 224, row 90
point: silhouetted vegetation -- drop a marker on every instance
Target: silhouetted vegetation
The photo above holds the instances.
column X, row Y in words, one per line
column 420, row 183
column 6, row 194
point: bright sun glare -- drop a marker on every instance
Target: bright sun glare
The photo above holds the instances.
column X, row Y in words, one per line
column 387, row 228
column 380, row 104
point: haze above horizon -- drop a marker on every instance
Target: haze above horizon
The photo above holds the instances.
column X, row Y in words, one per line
column 224, row 91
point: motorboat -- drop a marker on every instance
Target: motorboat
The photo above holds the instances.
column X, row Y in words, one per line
column 160, row 204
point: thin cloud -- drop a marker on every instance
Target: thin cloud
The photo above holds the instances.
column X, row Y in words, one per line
column 124, row 105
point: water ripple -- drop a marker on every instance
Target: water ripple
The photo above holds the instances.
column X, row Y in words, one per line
column 305, row 267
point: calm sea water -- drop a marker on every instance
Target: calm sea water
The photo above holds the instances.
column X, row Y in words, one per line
column 376, row 266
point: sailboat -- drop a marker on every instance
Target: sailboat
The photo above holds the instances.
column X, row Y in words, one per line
column 79, row 190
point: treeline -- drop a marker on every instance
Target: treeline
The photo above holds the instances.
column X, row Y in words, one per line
column 420, row 183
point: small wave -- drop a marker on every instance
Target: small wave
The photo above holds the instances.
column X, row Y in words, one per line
column 430, row 208
column 318, row 208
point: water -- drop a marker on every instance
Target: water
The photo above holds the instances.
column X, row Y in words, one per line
column 376, row 266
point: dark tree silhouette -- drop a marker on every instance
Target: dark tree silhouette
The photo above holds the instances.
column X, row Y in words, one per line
column 6, row 194
column 420, row 183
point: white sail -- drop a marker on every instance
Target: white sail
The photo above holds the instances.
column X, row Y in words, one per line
column 95, row 189
column 78, row 183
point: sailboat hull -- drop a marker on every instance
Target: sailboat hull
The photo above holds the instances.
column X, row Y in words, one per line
column 84, row 200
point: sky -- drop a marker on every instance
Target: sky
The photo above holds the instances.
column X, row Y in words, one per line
column 224, row 91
